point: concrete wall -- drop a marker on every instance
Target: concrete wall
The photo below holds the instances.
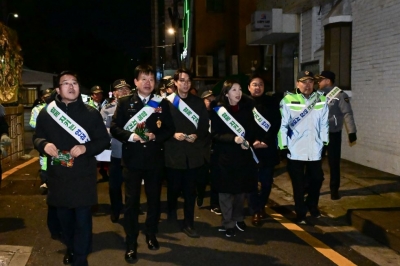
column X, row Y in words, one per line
column 375, row 85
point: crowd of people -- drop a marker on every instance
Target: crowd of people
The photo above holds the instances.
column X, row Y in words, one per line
column 230, row 141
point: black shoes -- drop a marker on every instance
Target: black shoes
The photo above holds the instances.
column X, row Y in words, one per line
column 68, row 258
column 114, row 217
column 241, row 226
column 230, row 232
column 335, row 195
column 216, row 210
column 152, row 242
column 199, row 201
column 190, row 232
column 131, row 254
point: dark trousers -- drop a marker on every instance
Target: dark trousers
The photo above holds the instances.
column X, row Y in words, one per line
column 53, row 223
column 214, row 195
column 258, row 199
column 76, row 226
column 231, row 208
column 296, row 171
column 152, row 186
column 182, row 180
column 334, row 154
column 115, row 185
column 202, row 180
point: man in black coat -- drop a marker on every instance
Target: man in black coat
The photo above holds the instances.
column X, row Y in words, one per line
column 265, row 146
column 71, row 134
column 184, row 152
column 142, row 154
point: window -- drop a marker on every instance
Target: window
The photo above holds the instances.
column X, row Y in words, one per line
column 337, row 56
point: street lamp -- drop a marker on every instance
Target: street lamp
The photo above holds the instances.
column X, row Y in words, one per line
column 15, row 15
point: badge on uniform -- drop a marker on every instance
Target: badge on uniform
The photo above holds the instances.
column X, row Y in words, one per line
column 158, row 123
column 346, row 100
column 131, row 105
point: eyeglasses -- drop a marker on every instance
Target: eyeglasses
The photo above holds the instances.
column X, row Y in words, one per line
column 124, row 89
column 68, row 84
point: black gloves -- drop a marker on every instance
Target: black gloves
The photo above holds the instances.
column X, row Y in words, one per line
column 352, row 137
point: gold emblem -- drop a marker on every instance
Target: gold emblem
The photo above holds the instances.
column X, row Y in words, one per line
column 306, row 72
column 158, row 123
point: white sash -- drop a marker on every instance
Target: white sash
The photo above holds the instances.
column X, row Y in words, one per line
column 303, row 113
column 143, row 114
column 260, row 120
column 233, row 124
column 332, row 94
column 73, row 128
column 184, row 108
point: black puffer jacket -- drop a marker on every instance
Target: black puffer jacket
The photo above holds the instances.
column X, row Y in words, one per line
column 235, row 167
column 76, row 186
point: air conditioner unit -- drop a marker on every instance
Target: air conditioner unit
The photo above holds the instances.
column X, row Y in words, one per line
column 204, row 66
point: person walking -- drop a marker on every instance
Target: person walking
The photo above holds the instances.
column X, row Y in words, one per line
column 304, row 131
column 340, row 112
column 268, row 119
column 142, row 122
column 71, row 134
column 120, row 89
column 184, row 151
column 233, row 133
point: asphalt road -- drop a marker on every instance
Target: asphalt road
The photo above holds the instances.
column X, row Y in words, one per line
column 277, row 242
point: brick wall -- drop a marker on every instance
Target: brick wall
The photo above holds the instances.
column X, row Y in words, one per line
column 376, row 85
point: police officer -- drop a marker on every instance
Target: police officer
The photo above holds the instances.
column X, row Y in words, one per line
column 304, row 132
column 121, row 88
column 339, row 111
column 142, row 155
column 96, row 100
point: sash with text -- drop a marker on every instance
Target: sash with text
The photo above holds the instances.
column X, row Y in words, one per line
column 143, row 114
column 184, row 108
column 233, row 124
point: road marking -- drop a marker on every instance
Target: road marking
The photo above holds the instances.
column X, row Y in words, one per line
column 16, row 168
column 309, row 239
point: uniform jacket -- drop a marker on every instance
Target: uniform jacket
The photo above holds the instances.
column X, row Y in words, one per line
column 34, row 114
column 107, row 113
column 235, row 167
column 183, row 154
column 306, row 140
column 72, row 186
column 339, row 110
column 135, row 154
column 268, row 107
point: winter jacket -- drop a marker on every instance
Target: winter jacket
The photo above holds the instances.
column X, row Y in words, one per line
column 74, row 186
column 339, row 110
column 235, row 167
column 306, row 140
column 268, row 107
column 183, row 154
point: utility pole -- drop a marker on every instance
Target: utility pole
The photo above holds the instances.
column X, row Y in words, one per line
column 174, row 17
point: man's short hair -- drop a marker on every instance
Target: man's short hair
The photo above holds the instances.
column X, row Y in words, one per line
column 145, row 69
column 180, row 71
column 67, row 72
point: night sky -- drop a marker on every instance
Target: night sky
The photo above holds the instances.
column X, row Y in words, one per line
column 102, row 40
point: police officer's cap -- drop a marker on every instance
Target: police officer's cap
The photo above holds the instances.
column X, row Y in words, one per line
column 304, row 75
column 47, row 93
column 96, row 89
column 206, row 94
column 327, row 75
column 120, row 83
